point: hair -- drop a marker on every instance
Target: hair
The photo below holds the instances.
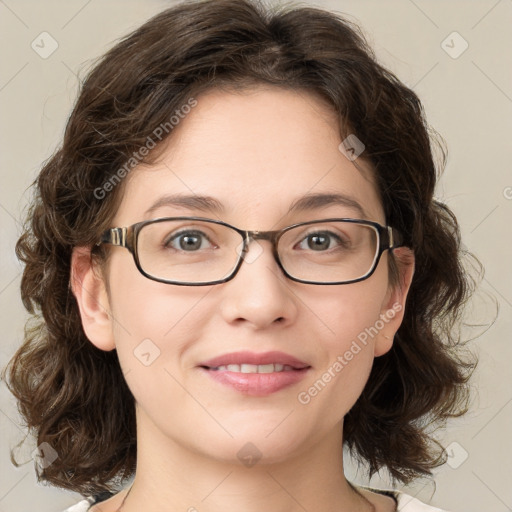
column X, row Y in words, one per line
column 72, row 395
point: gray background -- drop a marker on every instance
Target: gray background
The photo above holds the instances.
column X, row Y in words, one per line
column 468, row 99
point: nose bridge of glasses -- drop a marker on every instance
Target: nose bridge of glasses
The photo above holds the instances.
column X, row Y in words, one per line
column 270, row 236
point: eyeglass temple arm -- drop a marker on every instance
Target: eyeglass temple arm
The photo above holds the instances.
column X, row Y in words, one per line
column 114, row 236
column 395, row 238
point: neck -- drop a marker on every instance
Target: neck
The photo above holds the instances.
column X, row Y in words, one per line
column 171, row 477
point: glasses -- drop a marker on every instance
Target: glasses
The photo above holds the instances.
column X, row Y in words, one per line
column 194, row 251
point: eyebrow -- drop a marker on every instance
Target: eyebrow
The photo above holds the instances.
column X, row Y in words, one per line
column 308, row 202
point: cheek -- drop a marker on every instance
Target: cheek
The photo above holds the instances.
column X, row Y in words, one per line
column 348, row 313
column 348, row 319
column 142, row 307
column 151, row 331
column 153, row 323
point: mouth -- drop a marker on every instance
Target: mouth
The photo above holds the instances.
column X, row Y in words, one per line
column 255, row 374
column 253, row 362
column 254, row 368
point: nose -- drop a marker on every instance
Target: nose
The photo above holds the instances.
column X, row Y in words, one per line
column 259, row 294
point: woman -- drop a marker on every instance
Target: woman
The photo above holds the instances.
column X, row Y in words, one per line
column 240, row 268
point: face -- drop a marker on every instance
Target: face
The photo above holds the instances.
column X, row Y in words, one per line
column 256, row 153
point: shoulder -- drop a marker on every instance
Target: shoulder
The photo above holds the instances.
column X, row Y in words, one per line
column 407, row 503
column 86, row 503
column 81, row 506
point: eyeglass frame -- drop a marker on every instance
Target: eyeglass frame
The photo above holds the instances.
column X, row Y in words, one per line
column 389, row 238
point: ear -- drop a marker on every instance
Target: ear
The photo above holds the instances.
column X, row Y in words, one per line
column 89, row 288
column 393, row 306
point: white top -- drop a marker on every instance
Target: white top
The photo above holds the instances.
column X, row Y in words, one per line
column 406, row 503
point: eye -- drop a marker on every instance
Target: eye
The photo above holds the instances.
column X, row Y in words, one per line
column 187, row 240
column 321, row 241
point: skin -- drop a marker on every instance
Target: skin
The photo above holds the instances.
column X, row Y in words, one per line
column 256, row 152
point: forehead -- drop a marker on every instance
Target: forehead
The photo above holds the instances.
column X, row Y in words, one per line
column 254, row 154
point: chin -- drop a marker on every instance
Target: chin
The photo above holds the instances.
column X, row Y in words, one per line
column 255, row 447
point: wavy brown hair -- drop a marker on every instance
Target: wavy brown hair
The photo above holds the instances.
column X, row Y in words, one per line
column 72, row 395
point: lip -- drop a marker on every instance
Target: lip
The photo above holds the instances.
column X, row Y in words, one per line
column 255, row 384
column 255, row 358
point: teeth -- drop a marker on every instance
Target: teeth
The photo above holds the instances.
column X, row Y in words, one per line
column 265, row 368
column 255, row 368
column 249, row 368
